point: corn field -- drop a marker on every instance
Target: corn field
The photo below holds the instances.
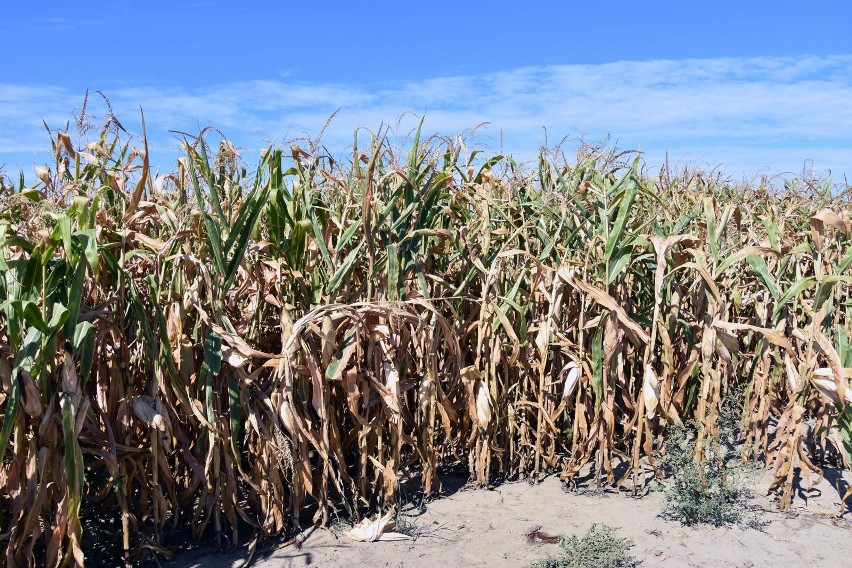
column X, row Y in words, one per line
column 241, row 351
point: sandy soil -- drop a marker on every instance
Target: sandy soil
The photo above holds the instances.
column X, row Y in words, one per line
column 479, row 527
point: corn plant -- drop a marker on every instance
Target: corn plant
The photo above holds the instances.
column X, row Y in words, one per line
column 225, row 348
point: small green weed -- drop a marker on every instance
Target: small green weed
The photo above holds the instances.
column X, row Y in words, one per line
column 340, row 526
column 598, row 548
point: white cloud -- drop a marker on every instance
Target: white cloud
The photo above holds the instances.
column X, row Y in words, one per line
column 751, row 114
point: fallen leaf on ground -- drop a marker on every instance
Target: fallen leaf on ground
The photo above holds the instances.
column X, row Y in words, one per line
column 379, row 529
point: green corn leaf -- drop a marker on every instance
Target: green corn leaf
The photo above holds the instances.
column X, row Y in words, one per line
column 421, row 279
column 319, row 236
column 209, row 368
column 32, row 315
column 346, row 236
column 624, row 208
column 710, row 219
column 203, row 163
column 168, row 359
column 620, row 262
column 772, row 233
column 254, row 207
column 84, row 345
column 63, row 225
column 15, row 241
column 393, row 273
column 29, row 355
column 343, row 270
column 825, row 287
column 339, row 361
column 843, row 346
column 57, row 319
column 32, row 275
column 792, row 292
column 139, row 311
column 254, row 201
column 75, row 297
column 88, row 241
column 212, row 229
column 212, row 353
column 11, row 413
column 74, row 465
column 845, row 262
column 758, row 265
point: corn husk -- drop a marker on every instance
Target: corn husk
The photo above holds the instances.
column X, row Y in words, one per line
column 288, row 419
column 5, row 376
column 792, row 374
column 233, row 357
column 32, row 398
column 572, row 379
column 380, row 528
column 483, row 406
column 542, row 337
column 70, row 383
column 651, row 392
column 143, row 408
column 391, row 377
column 824, row 381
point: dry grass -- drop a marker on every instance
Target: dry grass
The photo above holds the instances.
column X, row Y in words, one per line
column 223, row 349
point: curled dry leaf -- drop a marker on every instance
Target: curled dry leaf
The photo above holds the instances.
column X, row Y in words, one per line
column 64, row 141
column 43, row 173
column 537, row 536
column 381, row 528
column 634, row 330
column 828, row 217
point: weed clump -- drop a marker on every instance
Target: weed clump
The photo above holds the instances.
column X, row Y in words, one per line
column 700, row 492
column 598, row 548
column 705, row 490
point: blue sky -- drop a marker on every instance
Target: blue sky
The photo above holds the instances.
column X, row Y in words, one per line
column 747, row 87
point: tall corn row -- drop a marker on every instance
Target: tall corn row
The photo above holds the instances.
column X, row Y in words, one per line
column 232, row 349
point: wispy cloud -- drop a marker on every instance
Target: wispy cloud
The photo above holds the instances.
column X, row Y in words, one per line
column 745, row 114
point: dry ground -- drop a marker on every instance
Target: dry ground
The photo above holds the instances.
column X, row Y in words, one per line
column 477, row 527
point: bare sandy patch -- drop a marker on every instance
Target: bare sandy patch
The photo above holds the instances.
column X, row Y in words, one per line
column 482, row 527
